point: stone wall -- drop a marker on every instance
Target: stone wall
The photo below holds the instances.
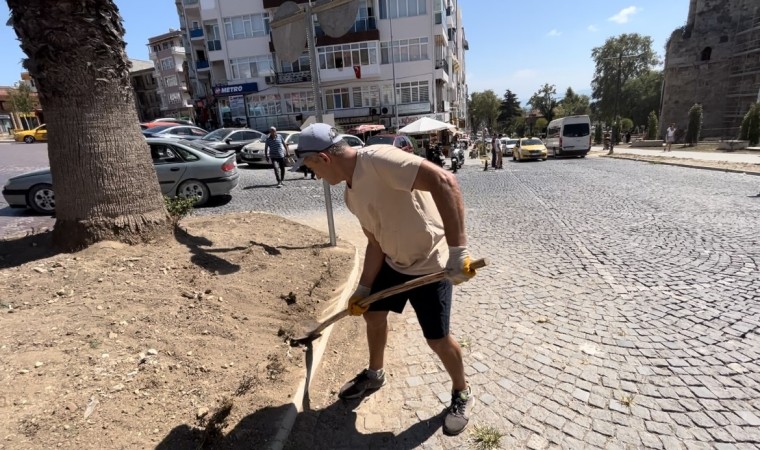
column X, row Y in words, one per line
column 713, row 60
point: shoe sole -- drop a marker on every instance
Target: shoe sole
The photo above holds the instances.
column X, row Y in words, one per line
column 360, row 394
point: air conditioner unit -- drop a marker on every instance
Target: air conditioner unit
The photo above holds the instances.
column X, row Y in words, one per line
column 373, row 111
column 386, row 110
column 269, row 79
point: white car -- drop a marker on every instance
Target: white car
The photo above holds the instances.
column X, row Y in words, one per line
column 353, row 141
column 508, row 146
column 254, row 152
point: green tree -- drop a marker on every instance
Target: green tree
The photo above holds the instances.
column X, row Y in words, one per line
column 750, row 130
column 509, row 109
column 598, row 133
column 519, row 127
column 694, row 129
column 544, row 100
column 21, row 102
column 540, row 126
column 106, row 187
column 652, row 125
column 572, row 104
column 626, row 125
column 484, row 109
column 620, row 59
column 641, row 95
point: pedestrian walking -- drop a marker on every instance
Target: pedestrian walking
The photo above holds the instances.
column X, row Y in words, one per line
column 388, row 191
column 499, row 152
column 670, row 137
column 494, row 141
column 275, row 151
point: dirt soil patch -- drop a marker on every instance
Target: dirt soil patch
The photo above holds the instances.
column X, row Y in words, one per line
column 172, row 345
column 688, row 162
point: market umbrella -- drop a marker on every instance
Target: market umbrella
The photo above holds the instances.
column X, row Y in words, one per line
column 366, row 128
column 426, row 125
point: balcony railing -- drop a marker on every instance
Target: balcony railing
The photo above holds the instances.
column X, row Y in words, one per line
column 292, row 77
column 196, row 33
column 442, row 64
column 368, row 24
column 201, row 64
column 189, row 2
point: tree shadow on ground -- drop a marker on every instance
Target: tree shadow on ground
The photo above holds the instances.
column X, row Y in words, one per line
column 333, row 427
column 203, row 257
column 15, row 252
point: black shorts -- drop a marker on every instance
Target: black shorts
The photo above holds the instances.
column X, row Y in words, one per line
column 431, row 303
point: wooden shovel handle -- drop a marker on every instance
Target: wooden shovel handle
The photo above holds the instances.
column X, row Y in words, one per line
column 385, row 293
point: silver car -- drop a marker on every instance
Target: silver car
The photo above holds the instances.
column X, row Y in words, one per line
column 187, row 132
column 184, row 169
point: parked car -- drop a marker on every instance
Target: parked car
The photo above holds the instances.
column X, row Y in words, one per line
column 231, row 139
column 187, row 132
column 352, row 140
column 529, row 148
column 173, row 120
column 569, row 136
column 507, row 146
column 30, row 136
column 254, row 152
column 397, row 140
column 184, row 169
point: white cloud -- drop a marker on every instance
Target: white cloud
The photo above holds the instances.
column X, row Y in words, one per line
column 625, row 14
column 592, row 28
column 554, row 33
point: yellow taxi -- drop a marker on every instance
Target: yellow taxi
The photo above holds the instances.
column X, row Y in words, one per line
column 30, row 136
column 529, row 148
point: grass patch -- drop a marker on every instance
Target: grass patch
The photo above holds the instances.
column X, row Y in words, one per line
column 627, row 399
column 465, row 342
column 486, row 437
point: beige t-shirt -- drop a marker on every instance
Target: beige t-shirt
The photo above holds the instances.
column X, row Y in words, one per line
column 406, row 223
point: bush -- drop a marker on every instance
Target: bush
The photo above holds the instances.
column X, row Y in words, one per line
column 179, row 207
column 626, row 125
column 694, row 128
column 751, row 125
column 652, row 126
column 598, row 133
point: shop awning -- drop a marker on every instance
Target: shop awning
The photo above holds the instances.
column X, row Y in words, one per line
column 366, row 128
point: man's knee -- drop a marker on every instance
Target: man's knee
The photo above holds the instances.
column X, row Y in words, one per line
column 376, row 319
column 442, row 344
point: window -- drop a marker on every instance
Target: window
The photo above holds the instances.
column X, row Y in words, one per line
column 255, row 66
column 163, row 154
column 296, row 102
column 175, row 98
column 156, row 48
column 366, row 96
column 402, row 8
column 263, row 105
column 347, row 55
column 213, row 38
column 386, row 95
column 337, row 98
column 165, row 46
column 243, row 27
column 170, row 81
column 167, row 63
column 186, row 155
column 299, row 65
column 706, row 53
column 404, row 50
column 413, row 92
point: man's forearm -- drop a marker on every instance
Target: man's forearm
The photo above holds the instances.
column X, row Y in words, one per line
column 373, row 262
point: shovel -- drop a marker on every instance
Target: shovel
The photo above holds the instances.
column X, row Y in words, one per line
column 403, row 287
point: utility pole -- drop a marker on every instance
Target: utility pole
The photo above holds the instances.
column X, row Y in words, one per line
column 616, row 120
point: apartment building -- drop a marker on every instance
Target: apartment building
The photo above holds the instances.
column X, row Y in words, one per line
column 144, row 85
column 167, row 51
column 237, row 78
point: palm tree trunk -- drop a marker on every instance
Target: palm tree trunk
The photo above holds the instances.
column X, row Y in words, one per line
column 105, row 185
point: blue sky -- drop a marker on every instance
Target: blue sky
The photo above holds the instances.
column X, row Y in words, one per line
column 517, row 45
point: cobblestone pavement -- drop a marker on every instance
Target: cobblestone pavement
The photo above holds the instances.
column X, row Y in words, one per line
column 621, row 308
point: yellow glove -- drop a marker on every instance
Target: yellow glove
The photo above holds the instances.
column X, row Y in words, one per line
column 359, row 294
column 458, row 267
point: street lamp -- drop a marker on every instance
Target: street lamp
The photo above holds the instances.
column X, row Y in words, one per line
column 616, row 119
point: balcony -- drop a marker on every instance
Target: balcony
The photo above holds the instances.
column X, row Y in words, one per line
column 441, row 33
column 442, row 70
column 202, row 65
column 196, row 33
column 347, row 73
column 292, row 77
column 363, row 30
column 277, row 3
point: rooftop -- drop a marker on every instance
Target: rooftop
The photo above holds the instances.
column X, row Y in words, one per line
column 140, row 64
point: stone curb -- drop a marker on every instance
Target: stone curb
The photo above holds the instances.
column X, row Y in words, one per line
column 691, row 166
column 295, row 406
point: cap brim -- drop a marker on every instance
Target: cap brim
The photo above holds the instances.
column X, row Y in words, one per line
column 297, row 165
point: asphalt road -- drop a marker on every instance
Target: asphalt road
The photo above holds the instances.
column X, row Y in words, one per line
column 621, row 308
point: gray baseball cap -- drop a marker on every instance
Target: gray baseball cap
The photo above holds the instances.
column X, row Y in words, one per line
column 314, row 139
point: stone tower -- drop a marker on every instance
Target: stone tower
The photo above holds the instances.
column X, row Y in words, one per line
column 713, row 60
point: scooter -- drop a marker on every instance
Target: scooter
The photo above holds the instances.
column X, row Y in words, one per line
column 457, row 158
column 435, row 155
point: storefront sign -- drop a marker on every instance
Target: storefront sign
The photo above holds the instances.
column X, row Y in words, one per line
column 236, row 89
column 356, row 120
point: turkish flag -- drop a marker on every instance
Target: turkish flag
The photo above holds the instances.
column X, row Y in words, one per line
column 358, row 71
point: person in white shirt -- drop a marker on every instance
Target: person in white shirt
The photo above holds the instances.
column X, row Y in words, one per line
column 670, row 137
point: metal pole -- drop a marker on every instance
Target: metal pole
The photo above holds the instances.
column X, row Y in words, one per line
column 313, row 63
column 393, row 69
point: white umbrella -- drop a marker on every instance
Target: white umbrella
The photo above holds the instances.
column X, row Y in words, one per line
column 426, row 125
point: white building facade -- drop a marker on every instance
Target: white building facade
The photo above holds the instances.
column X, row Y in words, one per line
column 168, row 53
column 237, row 78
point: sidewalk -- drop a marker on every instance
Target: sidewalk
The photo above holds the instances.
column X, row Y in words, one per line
column 746, row 162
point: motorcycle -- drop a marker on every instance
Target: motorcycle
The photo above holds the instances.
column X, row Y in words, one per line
column 457, row 159
column 435, row 155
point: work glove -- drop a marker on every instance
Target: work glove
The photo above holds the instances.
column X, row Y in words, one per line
column 458, row 267
column 359, row 294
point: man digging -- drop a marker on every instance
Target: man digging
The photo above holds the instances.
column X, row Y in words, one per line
column 413, row 215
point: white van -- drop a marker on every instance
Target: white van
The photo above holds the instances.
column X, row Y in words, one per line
column 569, row 136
